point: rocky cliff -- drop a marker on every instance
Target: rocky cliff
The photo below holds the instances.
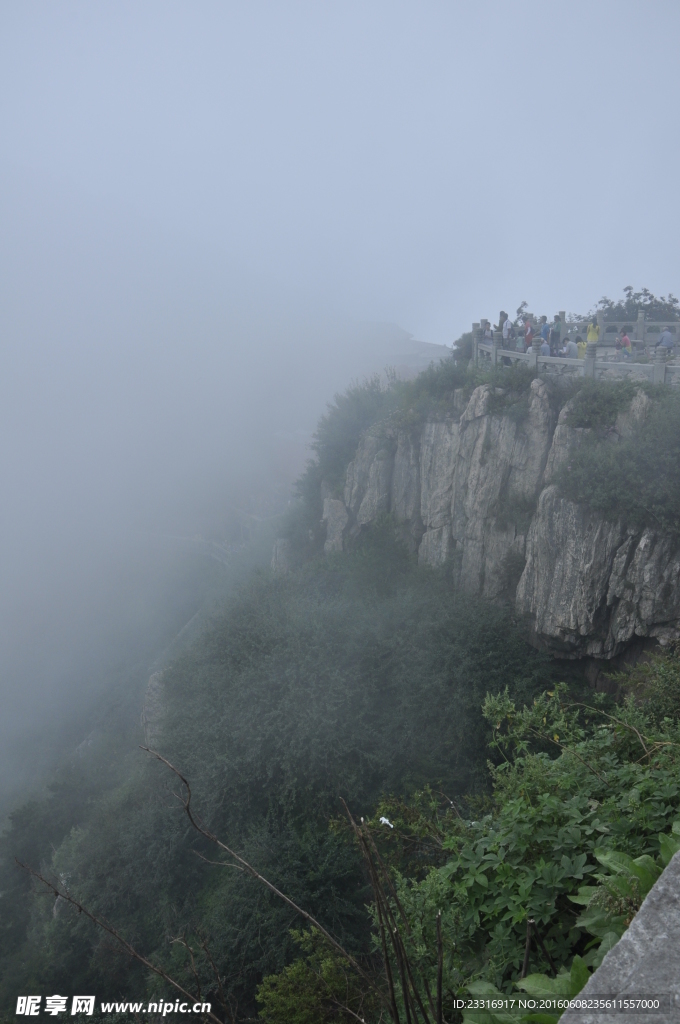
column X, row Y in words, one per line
column 473, row 489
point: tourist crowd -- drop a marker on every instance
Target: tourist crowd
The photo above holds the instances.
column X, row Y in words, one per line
column 554, row 338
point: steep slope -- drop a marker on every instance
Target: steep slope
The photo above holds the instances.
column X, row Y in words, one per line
column 473, row 488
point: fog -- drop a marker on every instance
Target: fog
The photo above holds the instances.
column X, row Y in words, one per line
column 148, row 397
column 209, row 212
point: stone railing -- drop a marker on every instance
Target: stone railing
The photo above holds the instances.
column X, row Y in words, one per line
column 644, row 334
column 602, row 360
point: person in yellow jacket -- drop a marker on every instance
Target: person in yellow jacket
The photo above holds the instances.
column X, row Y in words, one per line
column 593, row 334
column 581, row 346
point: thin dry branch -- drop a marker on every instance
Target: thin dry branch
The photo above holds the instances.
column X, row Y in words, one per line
column 117, row 936
column 395, row 896
column 183, row 942
column 200, row 828
column 527, row 949
column 440, row 968
column 451, row 804
column 412, row 1000
column 218, row 863
column 612, row 718
column 223, row 998
column 567, row 750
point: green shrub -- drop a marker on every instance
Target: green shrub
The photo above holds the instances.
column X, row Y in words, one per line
column 315, row 988
column 340, row 429
column 655, row 308
column 636, row 479
column 463, row 347
column 356, row 675
column 579, row 787
column 596, row 403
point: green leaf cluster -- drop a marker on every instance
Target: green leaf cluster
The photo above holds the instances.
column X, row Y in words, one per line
column 585, row 812
column 663, row 307
column 316, row 988
column 636, row 479
column 354, row 676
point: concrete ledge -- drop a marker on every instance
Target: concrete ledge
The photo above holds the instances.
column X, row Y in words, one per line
column 645, row 962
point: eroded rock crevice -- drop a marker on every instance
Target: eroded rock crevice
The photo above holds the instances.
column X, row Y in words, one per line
column 475, row 489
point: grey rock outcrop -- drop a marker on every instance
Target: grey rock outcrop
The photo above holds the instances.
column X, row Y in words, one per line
column 473, row 489
column 336, row 518
column 497, row 478
column 590, row 586
column 570, row 556
column 629, row 421
column 359, row 478
column 282, row 555
column 644, row 962
column 439, row 446
column 565, row 440
column 405, row 490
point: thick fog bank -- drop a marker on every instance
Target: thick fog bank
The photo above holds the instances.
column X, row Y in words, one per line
column 150, row 393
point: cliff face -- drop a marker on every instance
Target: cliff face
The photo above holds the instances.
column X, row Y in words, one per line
column 474, row 489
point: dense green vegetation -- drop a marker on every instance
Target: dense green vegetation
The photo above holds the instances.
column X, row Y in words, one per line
column 663, row 307
column 357, row 677
column 584, row 815
column 636, row 478
column 368, row 678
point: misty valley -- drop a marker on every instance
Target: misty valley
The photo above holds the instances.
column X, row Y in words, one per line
column 339, row 520
column 405, row 740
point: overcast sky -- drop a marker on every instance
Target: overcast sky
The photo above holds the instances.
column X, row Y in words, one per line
column 199, row 203
column 423, row 162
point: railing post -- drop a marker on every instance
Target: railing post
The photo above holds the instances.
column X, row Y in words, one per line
column 660, row 365
column 475, row 343
column 640, row 326
column 590, row 357
column 495, row 345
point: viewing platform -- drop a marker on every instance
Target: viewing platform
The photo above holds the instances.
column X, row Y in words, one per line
column 602, row 360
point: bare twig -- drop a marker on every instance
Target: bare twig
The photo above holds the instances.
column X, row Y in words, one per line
column 567, row 750
column 543, row 947
column 223, row 999
column 440, row 967
column 388, row 968
column 348, row 1010
column 183, row 942
column 612, row 718
column 218, row 863
column 405, row 989
column 112, row 931
column 527, row 947
column 186, row 803
column 407, row 926
column 451, row 804
column 412, row 999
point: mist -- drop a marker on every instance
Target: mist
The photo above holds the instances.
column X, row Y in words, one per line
column 150, row 399
column 210, row 214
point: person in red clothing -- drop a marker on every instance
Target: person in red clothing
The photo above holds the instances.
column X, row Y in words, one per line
column 528, row 334
column 623, row 344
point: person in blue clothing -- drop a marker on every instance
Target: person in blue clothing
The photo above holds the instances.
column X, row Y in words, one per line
column 570, row 350
column 555, row 335
column 545, row 329
column 545, row 347
column 666, row 340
